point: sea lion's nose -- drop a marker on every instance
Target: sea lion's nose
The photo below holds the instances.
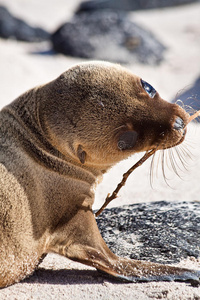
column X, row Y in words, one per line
column 178, row 124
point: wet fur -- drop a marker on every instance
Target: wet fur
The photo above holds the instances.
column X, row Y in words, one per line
column 56, row 142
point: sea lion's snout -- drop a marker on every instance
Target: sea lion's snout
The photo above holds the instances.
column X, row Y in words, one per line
column 179, row 124
column 176, row 129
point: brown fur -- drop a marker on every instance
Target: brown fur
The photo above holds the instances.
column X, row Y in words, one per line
column 56, row 141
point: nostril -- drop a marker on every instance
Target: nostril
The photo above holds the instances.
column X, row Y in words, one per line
column 178, row 124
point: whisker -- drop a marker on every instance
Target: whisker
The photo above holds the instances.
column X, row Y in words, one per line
column 179, row 102
column 155, row 160
column 189, row 108
column 159, row 157
column 158, row 160
column 163, row 168
column 173, row 162
column 179, row 156
column 175, row 159
column 187, row 149
column 187, row 146
column 181, row 91
column 184, row 154
column 181, row 159
column 168, row 158
column 152, row 170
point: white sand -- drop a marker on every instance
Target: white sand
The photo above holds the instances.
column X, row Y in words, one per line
column 22, row 68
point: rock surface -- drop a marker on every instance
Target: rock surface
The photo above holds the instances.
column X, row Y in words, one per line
column 14, row 28
column 107, row 35
column 129, row 4
column 163, row 232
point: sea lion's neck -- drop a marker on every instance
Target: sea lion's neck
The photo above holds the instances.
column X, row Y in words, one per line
column 24, row 111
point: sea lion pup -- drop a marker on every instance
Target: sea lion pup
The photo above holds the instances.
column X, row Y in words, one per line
column 56, row 141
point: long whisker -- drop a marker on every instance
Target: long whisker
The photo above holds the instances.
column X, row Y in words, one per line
column 186, row 152
column 181, row 159
column 152, row 170
column 163, row 168
column 173, row 162
column 180, row 92
column 163, row 164
column 181, row 155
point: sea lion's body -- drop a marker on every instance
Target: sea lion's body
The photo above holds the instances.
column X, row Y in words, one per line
column 55, row 142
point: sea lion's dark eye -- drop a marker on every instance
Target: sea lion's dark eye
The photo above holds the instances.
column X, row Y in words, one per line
column 148, row 88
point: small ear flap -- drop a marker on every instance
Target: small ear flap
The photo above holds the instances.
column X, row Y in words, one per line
column 81, row 154
column 127, row 140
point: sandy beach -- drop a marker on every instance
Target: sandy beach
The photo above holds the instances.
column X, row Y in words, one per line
column 23, row 66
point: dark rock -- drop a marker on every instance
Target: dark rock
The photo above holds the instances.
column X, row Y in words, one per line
column 109, row 36
column 163, row 232
column 14, row 28
column 190, row 98
column 128, row 4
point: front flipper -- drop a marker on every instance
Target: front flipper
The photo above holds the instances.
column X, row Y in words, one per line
column 85, row 245
column 131, row 270
column 143, row 271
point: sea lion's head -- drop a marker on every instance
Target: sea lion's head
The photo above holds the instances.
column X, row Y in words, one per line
column 100, row 113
